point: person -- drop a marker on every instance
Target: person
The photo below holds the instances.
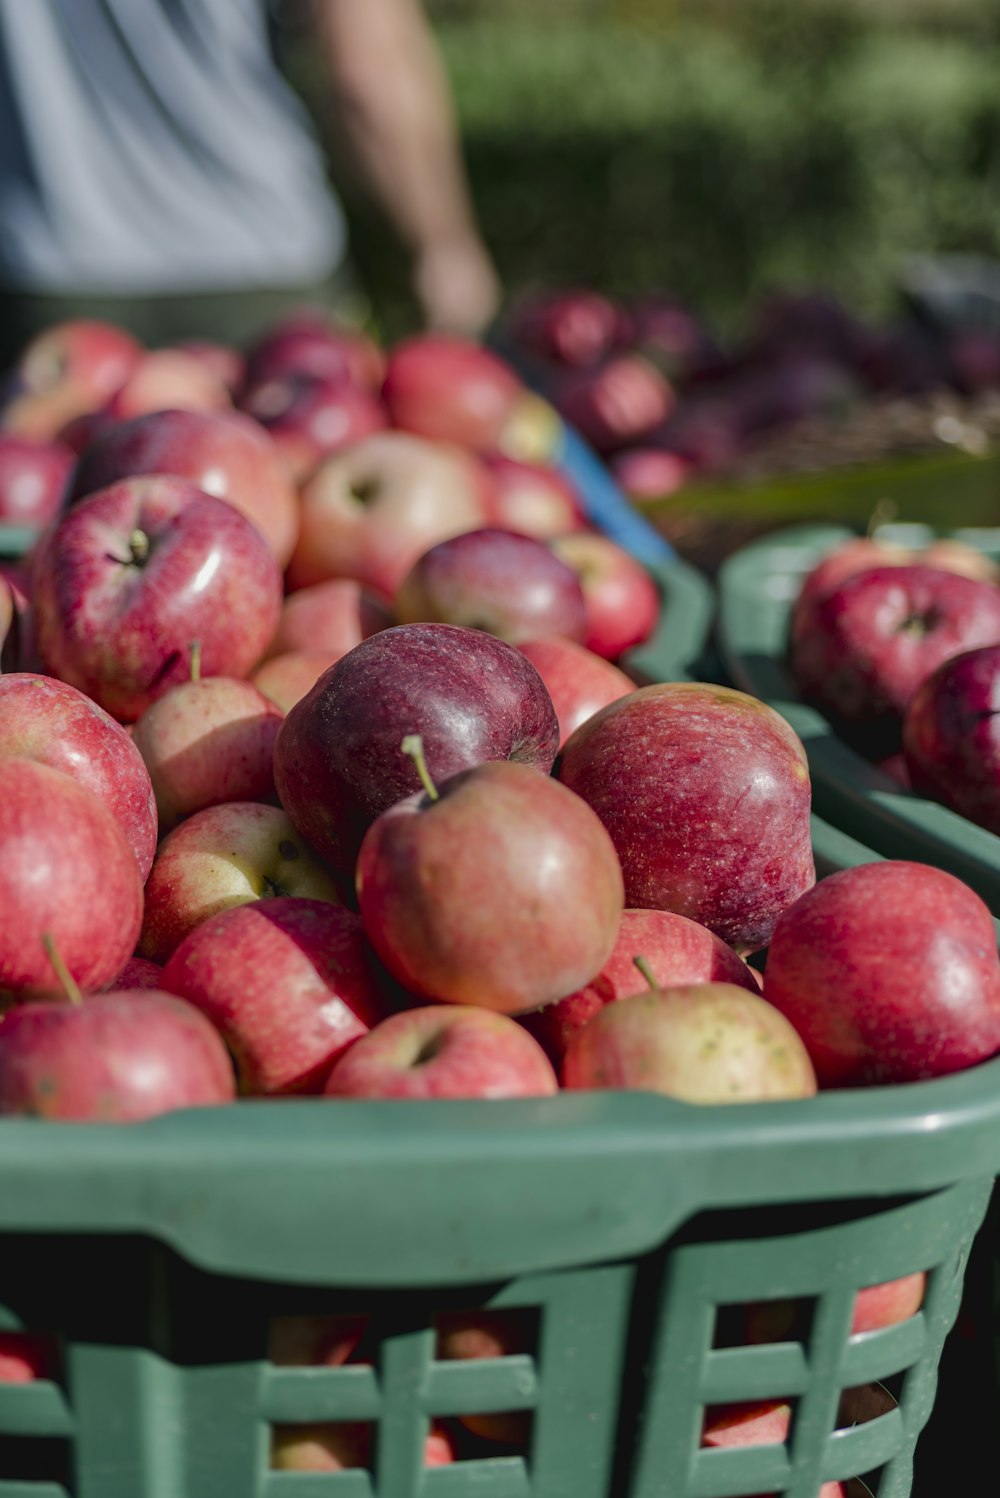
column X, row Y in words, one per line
column 157, row 169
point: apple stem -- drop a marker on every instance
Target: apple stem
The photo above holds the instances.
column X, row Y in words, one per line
column 196, row 660
column 70, row 986
column 413, row 745
column 138, row 545
column 642, row 963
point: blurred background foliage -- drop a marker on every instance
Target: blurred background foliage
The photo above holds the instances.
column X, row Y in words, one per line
column 717, row 149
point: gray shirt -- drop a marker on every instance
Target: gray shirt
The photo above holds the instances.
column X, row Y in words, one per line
column 153, row 146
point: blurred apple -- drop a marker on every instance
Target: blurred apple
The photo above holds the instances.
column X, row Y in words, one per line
column 34, row 478
column 579, row 682
column 311, row 342
column 534, row 499
column 310, row 416
column 66, row 371
column 951, row 736
column 650, row 472
column 226, row 363
column 168, row 380
column 574, row 327
column 138, row 972
column 621, row 600
column 617, row 405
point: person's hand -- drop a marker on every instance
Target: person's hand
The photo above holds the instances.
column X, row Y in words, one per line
column 457, row 286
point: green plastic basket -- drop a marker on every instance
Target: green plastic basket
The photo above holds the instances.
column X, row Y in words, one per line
column 757, row 586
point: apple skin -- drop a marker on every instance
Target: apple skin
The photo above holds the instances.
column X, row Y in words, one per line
column 862, row 649
column 34, row 478
column 617, row 405
column 511, row 585
column 167, row 379
column 679, row 953
column 311, row 343
column 226, row 363
column 370, row 511
column 205, row 742
column 223, row 453
column 889, row 972
column 223, row 857
column 69, row 872
column 579, row 682
column 48, row 721
column 505, row 893
column 440, row 1052
column 621, row 600
column 25, row 1357
column 533, row 499
column 287, row 983
column 702, row 1043
column 286, row 679
column 138, row 972
column 68, row 370
column 329, row 616
column 310, row 416
column 650, row 472
column 705, row 792
column 755, row 1424
column 338, row 762
column 115, row 1058
column 951, row 736
column 121, row 629
column 450, row 389
column 576, row 327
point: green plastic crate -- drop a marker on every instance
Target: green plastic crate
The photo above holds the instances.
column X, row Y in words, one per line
column 757, row 586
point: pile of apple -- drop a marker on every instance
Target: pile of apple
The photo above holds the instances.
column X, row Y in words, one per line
column 463, row 855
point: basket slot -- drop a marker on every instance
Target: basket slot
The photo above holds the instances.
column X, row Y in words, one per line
column 878, row 1354
column 486, row 1387
column 35, row 1409
column 862, row 1448
column 300, row 1396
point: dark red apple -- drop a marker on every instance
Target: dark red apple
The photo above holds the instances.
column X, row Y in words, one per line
column 135, row 573
column 310, row 342
column 337, row 760
column 705, row 792
column 576, row 327
column 889, row 972
column 621, row 599
column 138, row 972
column 34, row 477
column 579, row 682
column 617, row 405
column 951, row 736
column 310, row 416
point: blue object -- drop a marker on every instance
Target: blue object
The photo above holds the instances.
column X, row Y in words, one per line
column 605, row 503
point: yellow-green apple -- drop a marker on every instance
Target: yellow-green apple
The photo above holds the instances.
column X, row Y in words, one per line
column 860, row 651
column 310, row 416
column 25, row 1357
column 340, row 1447
column 621, row 600
column 311, row 342
column 575, row 327
column 579, row 682
column 112, row 1058
column 705, row 792
column 222, row 857
column 207, row 741
column 285, row 679
column 497, row 888
column 286, row 982
column 702, row 1043
column 66, row 371
column 369, row 511
column 330, row 616
column 51, row 722
column 951, row 736
column 618, row 404
column 221, row 452
column 514, row 586
column 441, row 1051
column 337, row 760
column 131, row 575
column 65, row 869
column 678, row 953
column 889, row 972
column 138, row 972
column 762, row 1423
column 167, row 379
column 34, row 477
column 534, row 499
column 228, row 364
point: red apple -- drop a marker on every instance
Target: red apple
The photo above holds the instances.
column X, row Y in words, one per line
column 329, row 617
column 441, row 1052
column 48, row 721
column 875, row 1307
column 761, row 1423
column 114, row 1058
column 135, row 573
column 951, row 736
column 371, row 510
column 314, row 1341
column 223, row 857
column 286, row 679
column 650, row 472
column 66, row 371
column 621, row 600
column 168, row 379
column 137, row 973
column 337, row 760
column 227, row 364
column 511, row 585
column 310, row 416
column 577, row 327
column 34, row 477
column 502, row 890
column 466, row 1335
column 25, row 1357
column 679, row 953
column 889, row 972
column 65, row 869
column 223, row 453
column 533, row 499
column 617, row 405
column 312, row 343
column 288, row 984
column 579, row 682
column 705, row 792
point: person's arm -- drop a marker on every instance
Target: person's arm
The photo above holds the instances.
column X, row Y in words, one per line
column 394, row 112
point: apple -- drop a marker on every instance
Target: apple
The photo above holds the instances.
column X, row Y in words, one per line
column 331, row 616
column 310, row 342
column 135, row 573
column 875, row 1307
column 889, row 972
column 705, row 792
column 223, row 453
column 48, row 721
column 622, row 601
column 310, row 416
column 8, row 617
column 113, row 1058
column 314, row 1341
column 286, row 679
column 464, row 1335
column 337, row 759
column 755, row 1423
column 339, row 1447
column 436, row 1052
column 68, row 370
column 951, row 736
column 650, row 472
column 576, row 327
column 137, row 973
column 167, row 379
column 226, row 363
column 511, row 585
column 66, row 870
column 370, row 511
column 618, row 404
column 861, row 650
column 450, row 389
column 498, row 888
column 534, row 499
column 678, row 953
column 579, row 682
column 222, row 857
column 25, row 1357
column 670, row 336
column 34, row 477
